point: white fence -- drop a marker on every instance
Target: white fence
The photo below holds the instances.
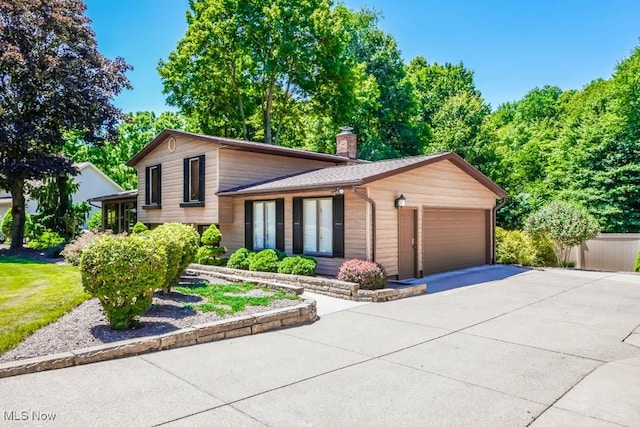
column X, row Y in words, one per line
column 608, row 252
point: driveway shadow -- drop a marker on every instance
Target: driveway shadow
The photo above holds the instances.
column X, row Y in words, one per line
column 459, row 278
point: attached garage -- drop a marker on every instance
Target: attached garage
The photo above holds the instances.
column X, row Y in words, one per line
column 455, row 238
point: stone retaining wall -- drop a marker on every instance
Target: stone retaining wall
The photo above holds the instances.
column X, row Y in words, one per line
column 302, row 313
column 318, row 285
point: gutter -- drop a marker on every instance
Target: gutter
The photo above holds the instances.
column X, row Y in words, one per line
column 373, row 220
column 494, row 210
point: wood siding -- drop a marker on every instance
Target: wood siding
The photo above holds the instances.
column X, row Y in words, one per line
column 439, row 185
column 239, row 168
column 354, row 228
column 172, row 183
column 225, row 168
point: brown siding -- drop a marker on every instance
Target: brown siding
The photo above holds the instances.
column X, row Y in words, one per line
column 172, row 183
column 355, row 232
column 239, row 168
column 440, row 184
column 225, row 168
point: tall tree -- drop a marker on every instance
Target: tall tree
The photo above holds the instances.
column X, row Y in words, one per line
column 449, row 110
column 383, row 114
column 243, row 64
column 52, row 79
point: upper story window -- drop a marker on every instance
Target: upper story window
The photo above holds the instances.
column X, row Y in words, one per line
column 194, row 182
column 153, row 185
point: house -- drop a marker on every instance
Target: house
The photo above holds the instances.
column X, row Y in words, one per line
column 413, row 215
column 93, row 182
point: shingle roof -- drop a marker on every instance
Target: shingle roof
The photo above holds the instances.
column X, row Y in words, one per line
column 256, row 147
column 129, row 194
column 358, row 174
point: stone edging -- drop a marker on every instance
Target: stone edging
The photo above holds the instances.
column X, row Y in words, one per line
column 297, row 284
column 302, row 313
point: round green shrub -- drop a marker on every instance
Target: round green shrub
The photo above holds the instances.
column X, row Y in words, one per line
column 210, row 255
column 240, row 259
column 95, row 222
column 139, row 228
column 7, row 224
column 369, row 275
column 173, row 249
column 514, row 247
column 637, row 266
column 517, row 247
column 300, row 265
column 545, row 255
column 281, row 255
column 265, row 260
column 211, row 236
column 187, row 234
column 46, row 240
column 122, row 273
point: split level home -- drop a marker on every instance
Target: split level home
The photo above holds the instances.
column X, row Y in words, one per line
column 414, row 215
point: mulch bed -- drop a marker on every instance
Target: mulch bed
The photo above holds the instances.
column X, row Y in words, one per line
column 86, row 325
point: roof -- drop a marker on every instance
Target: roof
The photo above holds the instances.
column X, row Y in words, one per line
column 116, row 196
column 360, row 174
column 84, row 165
column 256, row 147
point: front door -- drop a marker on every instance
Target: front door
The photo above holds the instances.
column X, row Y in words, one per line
column 407, row 248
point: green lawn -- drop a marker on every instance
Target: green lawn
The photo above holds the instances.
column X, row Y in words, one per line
column 34, row 294
column 228, row 298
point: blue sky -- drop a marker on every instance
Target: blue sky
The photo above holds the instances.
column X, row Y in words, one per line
column 512, row 46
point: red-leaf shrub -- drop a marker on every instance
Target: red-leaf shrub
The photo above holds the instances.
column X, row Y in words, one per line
column 369, row 275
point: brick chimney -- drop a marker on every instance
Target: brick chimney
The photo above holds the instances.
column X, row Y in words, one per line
column 347, row 143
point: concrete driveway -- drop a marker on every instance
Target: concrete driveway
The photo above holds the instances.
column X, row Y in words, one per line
column 541, row 346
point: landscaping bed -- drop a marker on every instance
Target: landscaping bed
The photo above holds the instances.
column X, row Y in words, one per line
column 192, row 303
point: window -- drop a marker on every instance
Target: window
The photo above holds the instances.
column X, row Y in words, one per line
column 111, row 217
column 153, row 187
column 318, row 226
column 193, row 182
column 264, row 224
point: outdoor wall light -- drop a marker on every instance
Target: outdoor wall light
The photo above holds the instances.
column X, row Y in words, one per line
column 401, row 201
column 337, row 191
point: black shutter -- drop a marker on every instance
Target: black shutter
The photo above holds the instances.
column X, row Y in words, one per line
column 248, row 224
column 280, row 224
column 147, row 185
column 338, row 226
column 201, row 177
column 297, row 225
column 159, row 184
column 185, row 181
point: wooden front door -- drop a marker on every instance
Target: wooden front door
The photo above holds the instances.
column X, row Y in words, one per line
column 407, row 243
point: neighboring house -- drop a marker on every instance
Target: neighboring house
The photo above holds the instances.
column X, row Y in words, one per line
column 414, row 215
column 93, row 182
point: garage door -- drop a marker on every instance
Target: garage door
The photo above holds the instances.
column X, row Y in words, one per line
column 454, row 238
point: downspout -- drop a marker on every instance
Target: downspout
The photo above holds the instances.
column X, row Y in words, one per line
column 373, row 220
column 495, row 209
